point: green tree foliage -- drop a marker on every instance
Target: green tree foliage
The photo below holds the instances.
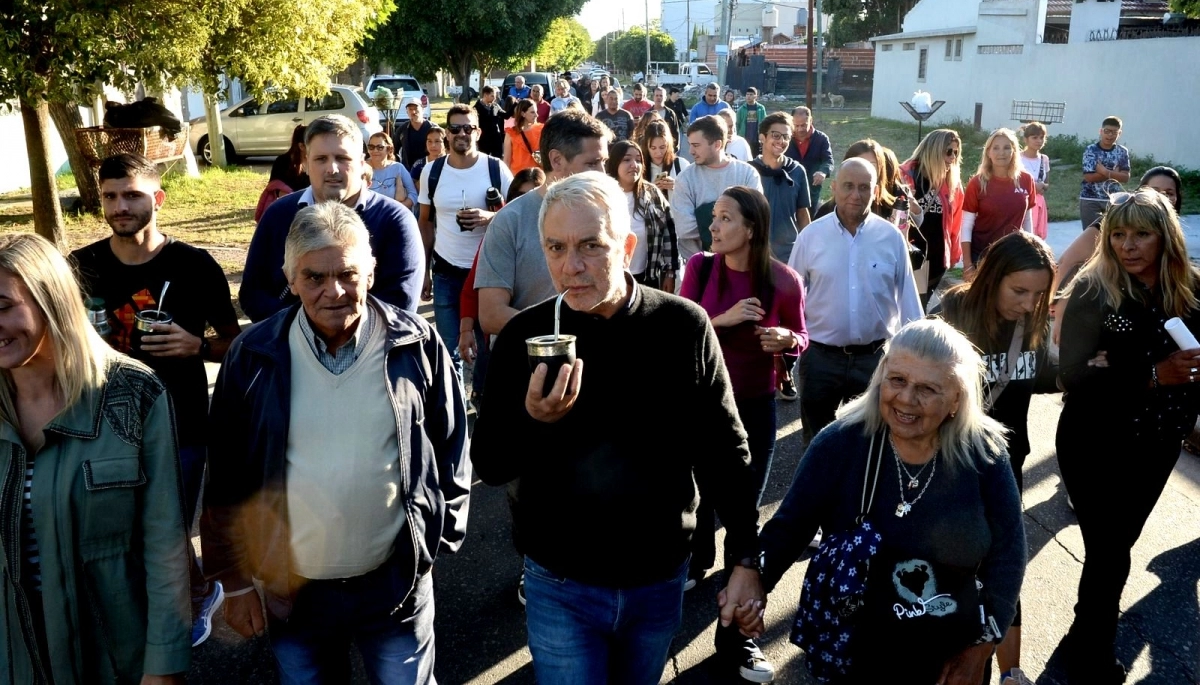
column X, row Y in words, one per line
column 422, row 37
column 566, row 44
column 628, row 53
column 54, row 51
column 602, row 48
column 858, row 20
column 1190, row 8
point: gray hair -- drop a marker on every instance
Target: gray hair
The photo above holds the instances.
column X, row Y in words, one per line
column 590, row 189
column 969, row 438
column 328, row 224
column 338, row 125
column 713, row 86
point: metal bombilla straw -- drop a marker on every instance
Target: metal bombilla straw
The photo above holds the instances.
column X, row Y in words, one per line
column 558, row 312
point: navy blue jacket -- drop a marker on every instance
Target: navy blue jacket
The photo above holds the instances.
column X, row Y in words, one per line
column 818, row 159
column 395, row 242
column 244, row 528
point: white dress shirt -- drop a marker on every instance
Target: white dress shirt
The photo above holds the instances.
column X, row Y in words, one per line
column 859, row 286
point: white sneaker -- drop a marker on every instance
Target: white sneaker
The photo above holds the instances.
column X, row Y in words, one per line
column 816, row 541
column 1017, row 677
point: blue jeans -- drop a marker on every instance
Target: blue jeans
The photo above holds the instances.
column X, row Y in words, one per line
column 395, row 639
column 446, row 291
column 589, row 635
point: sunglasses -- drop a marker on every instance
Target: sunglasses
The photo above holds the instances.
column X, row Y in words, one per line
column 456, row 129
column 1146, row 198
column 376, row 147
column 952, row 153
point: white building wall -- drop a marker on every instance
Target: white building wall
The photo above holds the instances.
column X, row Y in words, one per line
column 1093, row 15
column 1093, row 79
column 935, row 14
column 15, row 174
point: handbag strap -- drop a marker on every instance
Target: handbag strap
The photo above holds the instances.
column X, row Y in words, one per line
column 527, row 145
column 870, row 480
column 1010, row 364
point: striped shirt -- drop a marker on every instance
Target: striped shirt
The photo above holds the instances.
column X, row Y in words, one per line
column 344, row 357
column 32, row 559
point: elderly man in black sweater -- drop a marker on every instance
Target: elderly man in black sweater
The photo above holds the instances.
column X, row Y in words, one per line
column 610, row 458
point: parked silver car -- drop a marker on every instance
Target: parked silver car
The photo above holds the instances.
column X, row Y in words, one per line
column 254, row 129
column 402, row 86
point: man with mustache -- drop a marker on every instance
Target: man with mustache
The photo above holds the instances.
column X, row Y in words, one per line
column 124, row 274
column 334, row 158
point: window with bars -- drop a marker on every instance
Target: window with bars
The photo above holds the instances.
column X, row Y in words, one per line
column 949, row 48
column 958, row 49
column 922, row 63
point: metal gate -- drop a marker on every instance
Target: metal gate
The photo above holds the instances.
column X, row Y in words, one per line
column 743, row 71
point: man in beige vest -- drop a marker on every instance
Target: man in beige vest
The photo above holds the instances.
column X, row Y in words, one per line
column 338, row 470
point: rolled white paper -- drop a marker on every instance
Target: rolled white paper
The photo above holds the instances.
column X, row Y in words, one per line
column 1180, row 334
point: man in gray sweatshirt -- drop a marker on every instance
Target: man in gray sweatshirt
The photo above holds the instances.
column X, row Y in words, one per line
column 698, row 186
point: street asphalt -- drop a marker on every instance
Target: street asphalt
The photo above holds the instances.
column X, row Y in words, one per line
column 481, row 630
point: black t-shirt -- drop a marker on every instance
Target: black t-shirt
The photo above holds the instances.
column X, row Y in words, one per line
column 199, row 296
column 410, row 143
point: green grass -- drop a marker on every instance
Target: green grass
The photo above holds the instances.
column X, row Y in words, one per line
column 215, row 210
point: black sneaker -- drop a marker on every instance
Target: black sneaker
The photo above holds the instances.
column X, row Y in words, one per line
column 787, row 391
column 521, row 589
column 752, row 665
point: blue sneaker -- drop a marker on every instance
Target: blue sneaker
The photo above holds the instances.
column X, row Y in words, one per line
column 202, row 628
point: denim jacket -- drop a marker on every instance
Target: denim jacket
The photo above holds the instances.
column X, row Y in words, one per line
column 109, row 519
column 244, row 528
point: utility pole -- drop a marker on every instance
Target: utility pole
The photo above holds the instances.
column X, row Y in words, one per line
column 646, row 71
column 687, row 42
column 727, row 7
column 820, row 54
column 808, row 56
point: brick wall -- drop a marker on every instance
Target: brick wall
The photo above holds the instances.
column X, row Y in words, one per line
column 853, row 59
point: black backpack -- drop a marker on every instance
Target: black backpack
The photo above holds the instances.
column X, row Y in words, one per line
column 435, row 174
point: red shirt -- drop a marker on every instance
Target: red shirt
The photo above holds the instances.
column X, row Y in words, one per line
column 1000, row 210
column 637, row 107
column 543, row 109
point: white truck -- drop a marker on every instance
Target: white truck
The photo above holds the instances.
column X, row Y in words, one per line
column 678, row 73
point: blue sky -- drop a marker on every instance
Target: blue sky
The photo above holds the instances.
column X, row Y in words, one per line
column 602, row 16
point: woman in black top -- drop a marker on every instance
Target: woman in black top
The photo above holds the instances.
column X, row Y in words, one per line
column 289, row 167
column 1123, row 418
column 1004, row 312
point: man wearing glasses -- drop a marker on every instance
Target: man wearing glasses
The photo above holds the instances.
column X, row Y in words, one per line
column 1105, row 168
column 811, row 148
column 453, row 218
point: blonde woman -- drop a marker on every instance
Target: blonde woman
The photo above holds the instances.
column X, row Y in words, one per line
column 998, row 199
column 1129, row 413
column 935, row 179
column 389, row 177
column 1038, row 166
column 97, row 581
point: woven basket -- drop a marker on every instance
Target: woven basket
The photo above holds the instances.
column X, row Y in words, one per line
column 97, row 142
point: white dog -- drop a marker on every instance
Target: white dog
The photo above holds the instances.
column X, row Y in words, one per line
column 838, row 101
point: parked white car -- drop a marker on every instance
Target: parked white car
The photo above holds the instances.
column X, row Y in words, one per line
column 254, row 129
column 402, row 86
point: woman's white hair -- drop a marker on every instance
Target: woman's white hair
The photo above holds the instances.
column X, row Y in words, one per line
column 327, row 224
column 969, row 438
column 590, row 189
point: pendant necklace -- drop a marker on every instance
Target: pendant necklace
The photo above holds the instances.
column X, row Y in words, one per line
column 904, row 507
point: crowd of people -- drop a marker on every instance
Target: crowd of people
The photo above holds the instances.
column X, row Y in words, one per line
column 581, row 222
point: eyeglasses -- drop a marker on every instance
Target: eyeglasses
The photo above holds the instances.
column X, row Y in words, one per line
column 456, row 129
column 952, row 153
column 779, row 137
column 374, row 148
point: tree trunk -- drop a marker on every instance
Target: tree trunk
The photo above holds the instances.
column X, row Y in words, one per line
column 216, row 135
column 462, row 73
column 47, row 214
column 66, row 120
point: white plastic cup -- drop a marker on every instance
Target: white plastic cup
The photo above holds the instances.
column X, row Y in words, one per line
column 1180, row 334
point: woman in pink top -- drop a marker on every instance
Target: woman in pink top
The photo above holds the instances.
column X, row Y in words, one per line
column 1038, row 166
column 998, row 200
column 756, row 304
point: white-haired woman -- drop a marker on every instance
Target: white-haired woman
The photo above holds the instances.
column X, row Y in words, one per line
column 999, row 200
column 1123, row 420
column 942, row 499
column 94, row 544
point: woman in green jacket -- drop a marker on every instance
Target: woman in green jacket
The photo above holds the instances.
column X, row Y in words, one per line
column 94, row 564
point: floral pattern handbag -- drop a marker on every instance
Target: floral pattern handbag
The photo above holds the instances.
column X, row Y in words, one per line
column 835, row 584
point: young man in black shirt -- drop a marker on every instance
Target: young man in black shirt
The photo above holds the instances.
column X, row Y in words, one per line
column 125, row 274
